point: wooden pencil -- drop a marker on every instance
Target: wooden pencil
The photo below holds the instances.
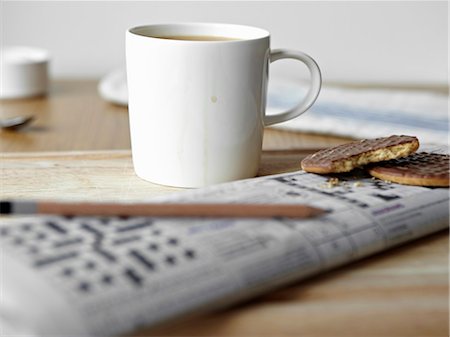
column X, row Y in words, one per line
column 160, row 209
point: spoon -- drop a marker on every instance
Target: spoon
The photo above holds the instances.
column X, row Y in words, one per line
column 15, row 123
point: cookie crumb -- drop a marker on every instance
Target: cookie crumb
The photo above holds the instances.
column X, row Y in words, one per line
column 332, row 182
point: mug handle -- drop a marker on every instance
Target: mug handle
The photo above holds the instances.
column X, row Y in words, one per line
column 314, row 89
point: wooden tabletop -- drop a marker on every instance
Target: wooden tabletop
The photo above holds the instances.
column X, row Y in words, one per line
column 401, row 292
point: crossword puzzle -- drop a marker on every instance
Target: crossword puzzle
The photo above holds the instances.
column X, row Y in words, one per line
column 118, row 250
column 344, row 190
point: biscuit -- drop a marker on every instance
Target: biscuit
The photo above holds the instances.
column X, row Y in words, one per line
column 420, row 169
column 346, row 157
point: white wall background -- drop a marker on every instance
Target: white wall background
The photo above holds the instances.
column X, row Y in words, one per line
column 370, row 42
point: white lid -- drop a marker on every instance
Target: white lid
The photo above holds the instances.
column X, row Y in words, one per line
column 23, row 55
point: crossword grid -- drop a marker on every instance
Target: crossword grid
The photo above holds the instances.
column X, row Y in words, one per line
column 86, row 256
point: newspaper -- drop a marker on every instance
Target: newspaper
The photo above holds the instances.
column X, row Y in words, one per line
column 365, row 113
column 96, row 276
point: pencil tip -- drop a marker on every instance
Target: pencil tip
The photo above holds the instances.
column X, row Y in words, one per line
column 5, row 207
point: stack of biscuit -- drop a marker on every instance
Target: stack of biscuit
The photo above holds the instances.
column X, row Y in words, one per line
column 391, row 159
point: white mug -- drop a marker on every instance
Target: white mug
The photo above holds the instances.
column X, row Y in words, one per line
column 197, row 107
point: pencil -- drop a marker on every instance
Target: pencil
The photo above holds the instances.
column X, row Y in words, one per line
column 22, row 207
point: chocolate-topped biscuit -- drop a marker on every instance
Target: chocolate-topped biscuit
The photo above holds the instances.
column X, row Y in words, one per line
column 346, row 157
column 420, row 169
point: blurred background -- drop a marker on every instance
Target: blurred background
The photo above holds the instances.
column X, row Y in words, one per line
column 404, row 43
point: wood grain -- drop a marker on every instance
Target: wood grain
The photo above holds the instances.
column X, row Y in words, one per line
column 99, row 175
column 71, row 117
column 402, row 292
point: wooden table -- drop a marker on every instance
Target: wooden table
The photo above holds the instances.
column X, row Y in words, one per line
column 402, row 292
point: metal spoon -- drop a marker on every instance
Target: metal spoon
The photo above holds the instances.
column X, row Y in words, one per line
column 15, row 123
